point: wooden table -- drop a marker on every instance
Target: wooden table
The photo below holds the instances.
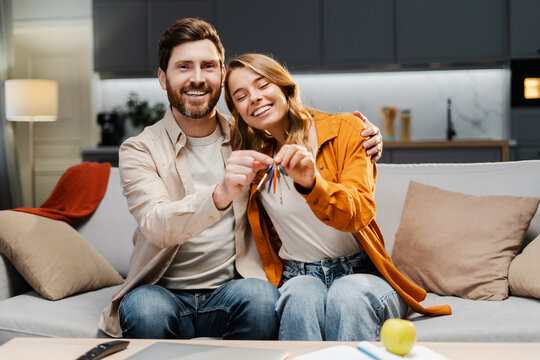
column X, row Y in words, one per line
column 70, row 349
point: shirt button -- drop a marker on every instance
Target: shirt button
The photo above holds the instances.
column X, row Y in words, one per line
column 321, row 167
column 316, row 201
column 211, row 217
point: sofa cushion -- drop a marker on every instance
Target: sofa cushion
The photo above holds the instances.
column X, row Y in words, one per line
column 456, row 244
column 524, row 270
column 113, row 239
column 516, row 178
column 52, row 257
column 516, row 319
column 29, row 315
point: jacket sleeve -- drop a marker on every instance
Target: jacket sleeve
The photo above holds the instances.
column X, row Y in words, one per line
column 344, row 193
column 163, row 220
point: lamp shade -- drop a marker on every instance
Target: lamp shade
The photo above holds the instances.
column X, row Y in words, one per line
column 31, row 100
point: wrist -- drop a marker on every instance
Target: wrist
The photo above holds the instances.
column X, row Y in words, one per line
column 304, row 189
column 220, row 200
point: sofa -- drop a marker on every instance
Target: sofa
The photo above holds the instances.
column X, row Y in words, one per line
column 25, row 313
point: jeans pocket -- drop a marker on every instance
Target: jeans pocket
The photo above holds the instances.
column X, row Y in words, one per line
column 362, row 264
column 289, row 272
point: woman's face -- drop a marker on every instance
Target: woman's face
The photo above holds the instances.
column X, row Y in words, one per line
column 259, row 102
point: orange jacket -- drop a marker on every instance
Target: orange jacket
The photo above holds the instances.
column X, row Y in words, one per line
column 343, row 197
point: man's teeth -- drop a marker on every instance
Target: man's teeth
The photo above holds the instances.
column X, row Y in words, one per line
column 196, row 93
column 261, row 110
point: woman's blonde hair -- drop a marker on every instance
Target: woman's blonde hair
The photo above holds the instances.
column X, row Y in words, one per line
column 297, row 119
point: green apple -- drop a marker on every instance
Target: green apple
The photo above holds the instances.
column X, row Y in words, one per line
column 398, row 336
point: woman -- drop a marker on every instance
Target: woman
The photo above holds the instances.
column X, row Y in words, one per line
column 316, row 235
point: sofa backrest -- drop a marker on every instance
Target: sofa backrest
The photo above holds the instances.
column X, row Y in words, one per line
column 517, row 178
column 110, row 228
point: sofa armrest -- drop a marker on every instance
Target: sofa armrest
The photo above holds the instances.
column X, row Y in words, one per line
column 11, row 282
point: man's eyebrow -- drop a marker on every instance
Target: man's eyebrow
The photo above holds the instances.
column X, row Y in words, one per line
column 257, row 79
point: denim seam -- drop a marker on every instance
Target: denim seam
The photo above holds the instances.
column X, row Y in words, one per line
column 207, row 310
column 385, row 296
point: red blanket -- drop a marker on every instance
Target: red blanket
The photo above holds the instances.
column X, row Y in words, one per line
column 77, row 194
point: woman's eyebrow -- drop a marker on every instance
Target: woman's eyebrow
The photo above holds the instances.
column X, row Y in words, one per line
column 257, row 79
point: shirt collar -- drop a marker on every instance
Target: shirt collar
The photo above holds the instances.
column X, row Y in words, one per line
column 325, row 129
column 177, row 135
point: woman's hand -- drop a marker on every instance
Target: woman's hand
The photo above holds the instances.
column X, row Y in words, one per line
column 299, row 164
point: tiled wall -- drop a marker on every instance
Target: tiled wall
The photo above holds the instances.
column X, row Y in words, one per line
column 480, row 98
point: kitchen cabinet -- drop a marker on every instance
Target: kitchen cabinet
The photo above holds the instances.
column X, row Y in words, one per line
column 451, row 31
column 524, row 29
column 289, row 30
column 357, row 32
column 120, row 36
column 525, row 128
column 101, row 154
column 322, row 34
column 163, row 13
column 127, row 32
column 458, row 151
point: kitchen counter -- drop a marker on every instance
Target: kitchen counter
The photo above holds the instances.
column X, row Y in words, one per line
column 398, row 152
column 404, row 152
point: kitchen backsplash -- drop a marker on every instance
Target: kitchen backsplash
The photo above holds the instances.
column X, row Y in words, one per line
column 480, row 98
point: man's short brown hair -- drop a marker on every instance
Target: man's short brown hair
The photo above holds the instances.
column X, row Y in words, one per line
column 185, row 30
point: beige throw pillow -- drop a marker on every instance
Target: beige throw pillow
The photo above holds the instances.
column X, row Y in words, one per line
column 52, row 257
column 462, row 245
column 524, row 270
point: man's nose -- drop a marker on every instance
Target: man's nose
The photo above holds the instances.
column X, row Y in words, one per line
column 197, row 76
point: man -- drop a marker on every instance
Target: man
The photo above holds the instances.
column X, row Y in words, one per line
column 187, row 192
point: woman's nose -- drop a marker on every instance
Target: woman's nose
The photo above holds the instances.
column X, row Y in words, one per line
column 255, row 96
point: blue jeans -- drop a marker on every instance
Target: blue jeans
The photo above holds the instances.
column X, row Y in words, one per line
column 342, row 299
column 239, row 309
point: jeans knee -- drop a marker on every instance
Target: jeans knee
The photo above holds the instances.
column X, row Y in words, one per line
column 147, row 311
column 258, row 293
column 302, row 295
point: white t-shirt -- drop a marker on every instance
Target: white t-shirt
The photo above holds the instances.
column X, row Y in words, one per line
column 205, row 261
column 303, row 236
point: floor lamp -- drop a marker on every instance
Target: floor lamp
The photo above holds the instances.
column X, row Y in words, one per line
column 31, row 100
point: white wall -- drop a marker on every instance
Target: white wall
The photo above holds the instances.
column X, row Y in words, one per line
column 53, row 40
column 480, row 98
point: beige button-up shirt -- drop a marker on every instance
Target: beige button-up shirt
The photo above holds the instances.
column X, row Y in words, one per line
column 157, row 183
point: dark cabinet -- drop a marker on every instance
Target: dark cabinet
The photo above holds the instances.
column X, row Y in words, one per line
column 457, row 151
column 127, row 32
column 357, row 32
column 524, row 29
column 163, row 13
column 323, row 34
column 451, row 31
column 289, row 30
column 526, row 131
column 120, row 36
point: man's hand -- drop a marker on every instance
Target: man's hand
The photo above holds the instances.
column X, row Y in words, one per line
column 240, row 170
column 299, row 164
column 374, row 145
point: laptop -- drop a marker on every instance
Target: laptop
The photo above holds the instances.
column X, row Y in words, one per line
column 183, row 351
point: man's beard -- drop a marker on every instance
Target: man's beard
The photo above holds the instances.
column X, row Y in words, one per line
column 189, row 110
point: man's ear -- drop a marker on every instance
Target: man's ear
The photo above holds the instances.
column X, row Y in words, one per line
column 223, row 73
column 162, row 79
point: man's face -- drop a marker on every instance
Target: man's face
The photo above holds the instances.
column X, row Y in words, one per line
column 193, row 79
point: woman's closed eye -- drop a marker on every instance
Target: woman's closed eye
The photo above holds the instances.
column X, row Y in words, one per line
column 240, row 98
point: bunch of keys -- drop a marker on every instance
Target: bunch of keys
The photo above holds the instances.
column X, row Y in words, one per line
column 274, row 171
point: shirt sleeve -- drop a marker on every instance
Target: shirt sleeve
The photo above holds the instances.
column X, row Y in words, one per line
column 163, row 220
column 344, row 193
